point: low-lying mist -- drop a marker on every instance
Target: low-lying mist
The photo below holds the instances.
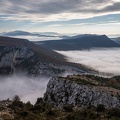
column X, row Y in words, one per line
column 104, row 59
column 27, row 88
column 36, row 38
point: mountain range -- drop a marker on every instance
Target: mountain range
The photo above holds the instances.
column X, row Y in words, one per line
column 45, row 35
column 79, row 42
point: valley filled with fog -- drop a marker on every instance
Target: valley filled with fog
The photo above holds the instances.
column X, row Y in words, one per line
column 30, row 88
column 27, row 88
column 103, row 59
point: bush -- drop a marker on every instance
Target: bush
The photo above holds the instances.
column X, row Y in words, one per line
column 24, row 114
column 100, row 108
column 37, row 109
column 51, row 113
column 82, row 115
column 16, row 105
column 68, row 108
column 16, row 98
column 70, row 117
column 114, row 112
column 28, row 105
column 39, row 101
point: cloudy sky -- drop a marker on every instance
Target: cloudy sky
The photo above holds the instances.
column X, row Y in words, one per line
column 63, row 16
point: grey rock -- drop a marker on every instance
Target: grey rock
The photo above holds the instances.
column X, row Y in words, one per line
column 61, row 92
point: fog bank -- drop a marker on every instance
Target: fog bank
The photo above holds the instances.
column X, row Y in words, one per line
column 28, row 88
column 103, row 59
column 36, row 38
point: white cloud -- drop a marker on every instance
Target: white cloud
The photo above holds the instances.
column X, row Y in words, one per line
column 56, row 10
column 56, row 25
column 36, row 38
column 103, row 60
column 28, row 88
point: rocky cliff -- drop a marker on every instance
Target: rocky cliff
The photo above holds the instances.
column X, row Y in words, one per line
column 82, row 90
column 21, row 58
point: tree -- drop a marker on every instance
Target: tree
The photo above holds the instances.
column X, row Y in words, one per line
column 16, row 98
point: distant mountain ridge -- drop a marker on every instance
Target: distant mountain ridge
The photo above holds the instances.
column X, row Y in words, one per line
column 24, row 33
column 79, row 42
column 17, row 33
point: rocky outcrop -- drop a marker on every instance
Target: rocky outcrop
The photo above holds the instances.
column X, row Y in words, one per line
column 61, row 91
column 14, row 55
column 24, row 59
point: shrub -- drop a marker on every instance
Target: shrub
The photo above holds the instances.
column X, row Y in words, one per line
column 100, row 108
column 70, row 117
column 68, row 108
column 16, row 105
column 115, row 112
column 37, row 109
column 50, row 113
column 39, row 101
column 28, row 105
column 24, row 114
column 16, row 98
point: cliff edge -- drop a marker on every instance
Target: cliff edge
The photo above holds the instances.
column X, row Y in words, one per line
column 83, row 90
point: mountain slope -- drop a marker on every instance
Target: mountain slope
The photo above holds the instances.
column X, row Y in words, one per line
column 21, row 54
column 77, row 43
column 117, row 40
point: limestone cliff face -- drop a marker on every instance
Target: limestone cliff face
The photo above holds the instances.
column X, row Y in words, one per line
column 14, row 55
column 22, row 58
column 25, row 59
column 61, row 91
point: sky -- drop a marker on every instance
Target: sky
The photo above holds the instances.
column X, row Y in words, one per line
column 62, row 16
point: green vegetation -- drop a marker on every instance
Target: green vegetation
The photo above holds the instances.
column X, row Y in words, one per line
column 43, row 111
column 100, row 108
column 87, row 79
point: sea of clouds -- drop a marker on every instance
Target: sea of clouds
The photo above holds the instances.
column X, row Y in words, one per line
column 103, row 59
